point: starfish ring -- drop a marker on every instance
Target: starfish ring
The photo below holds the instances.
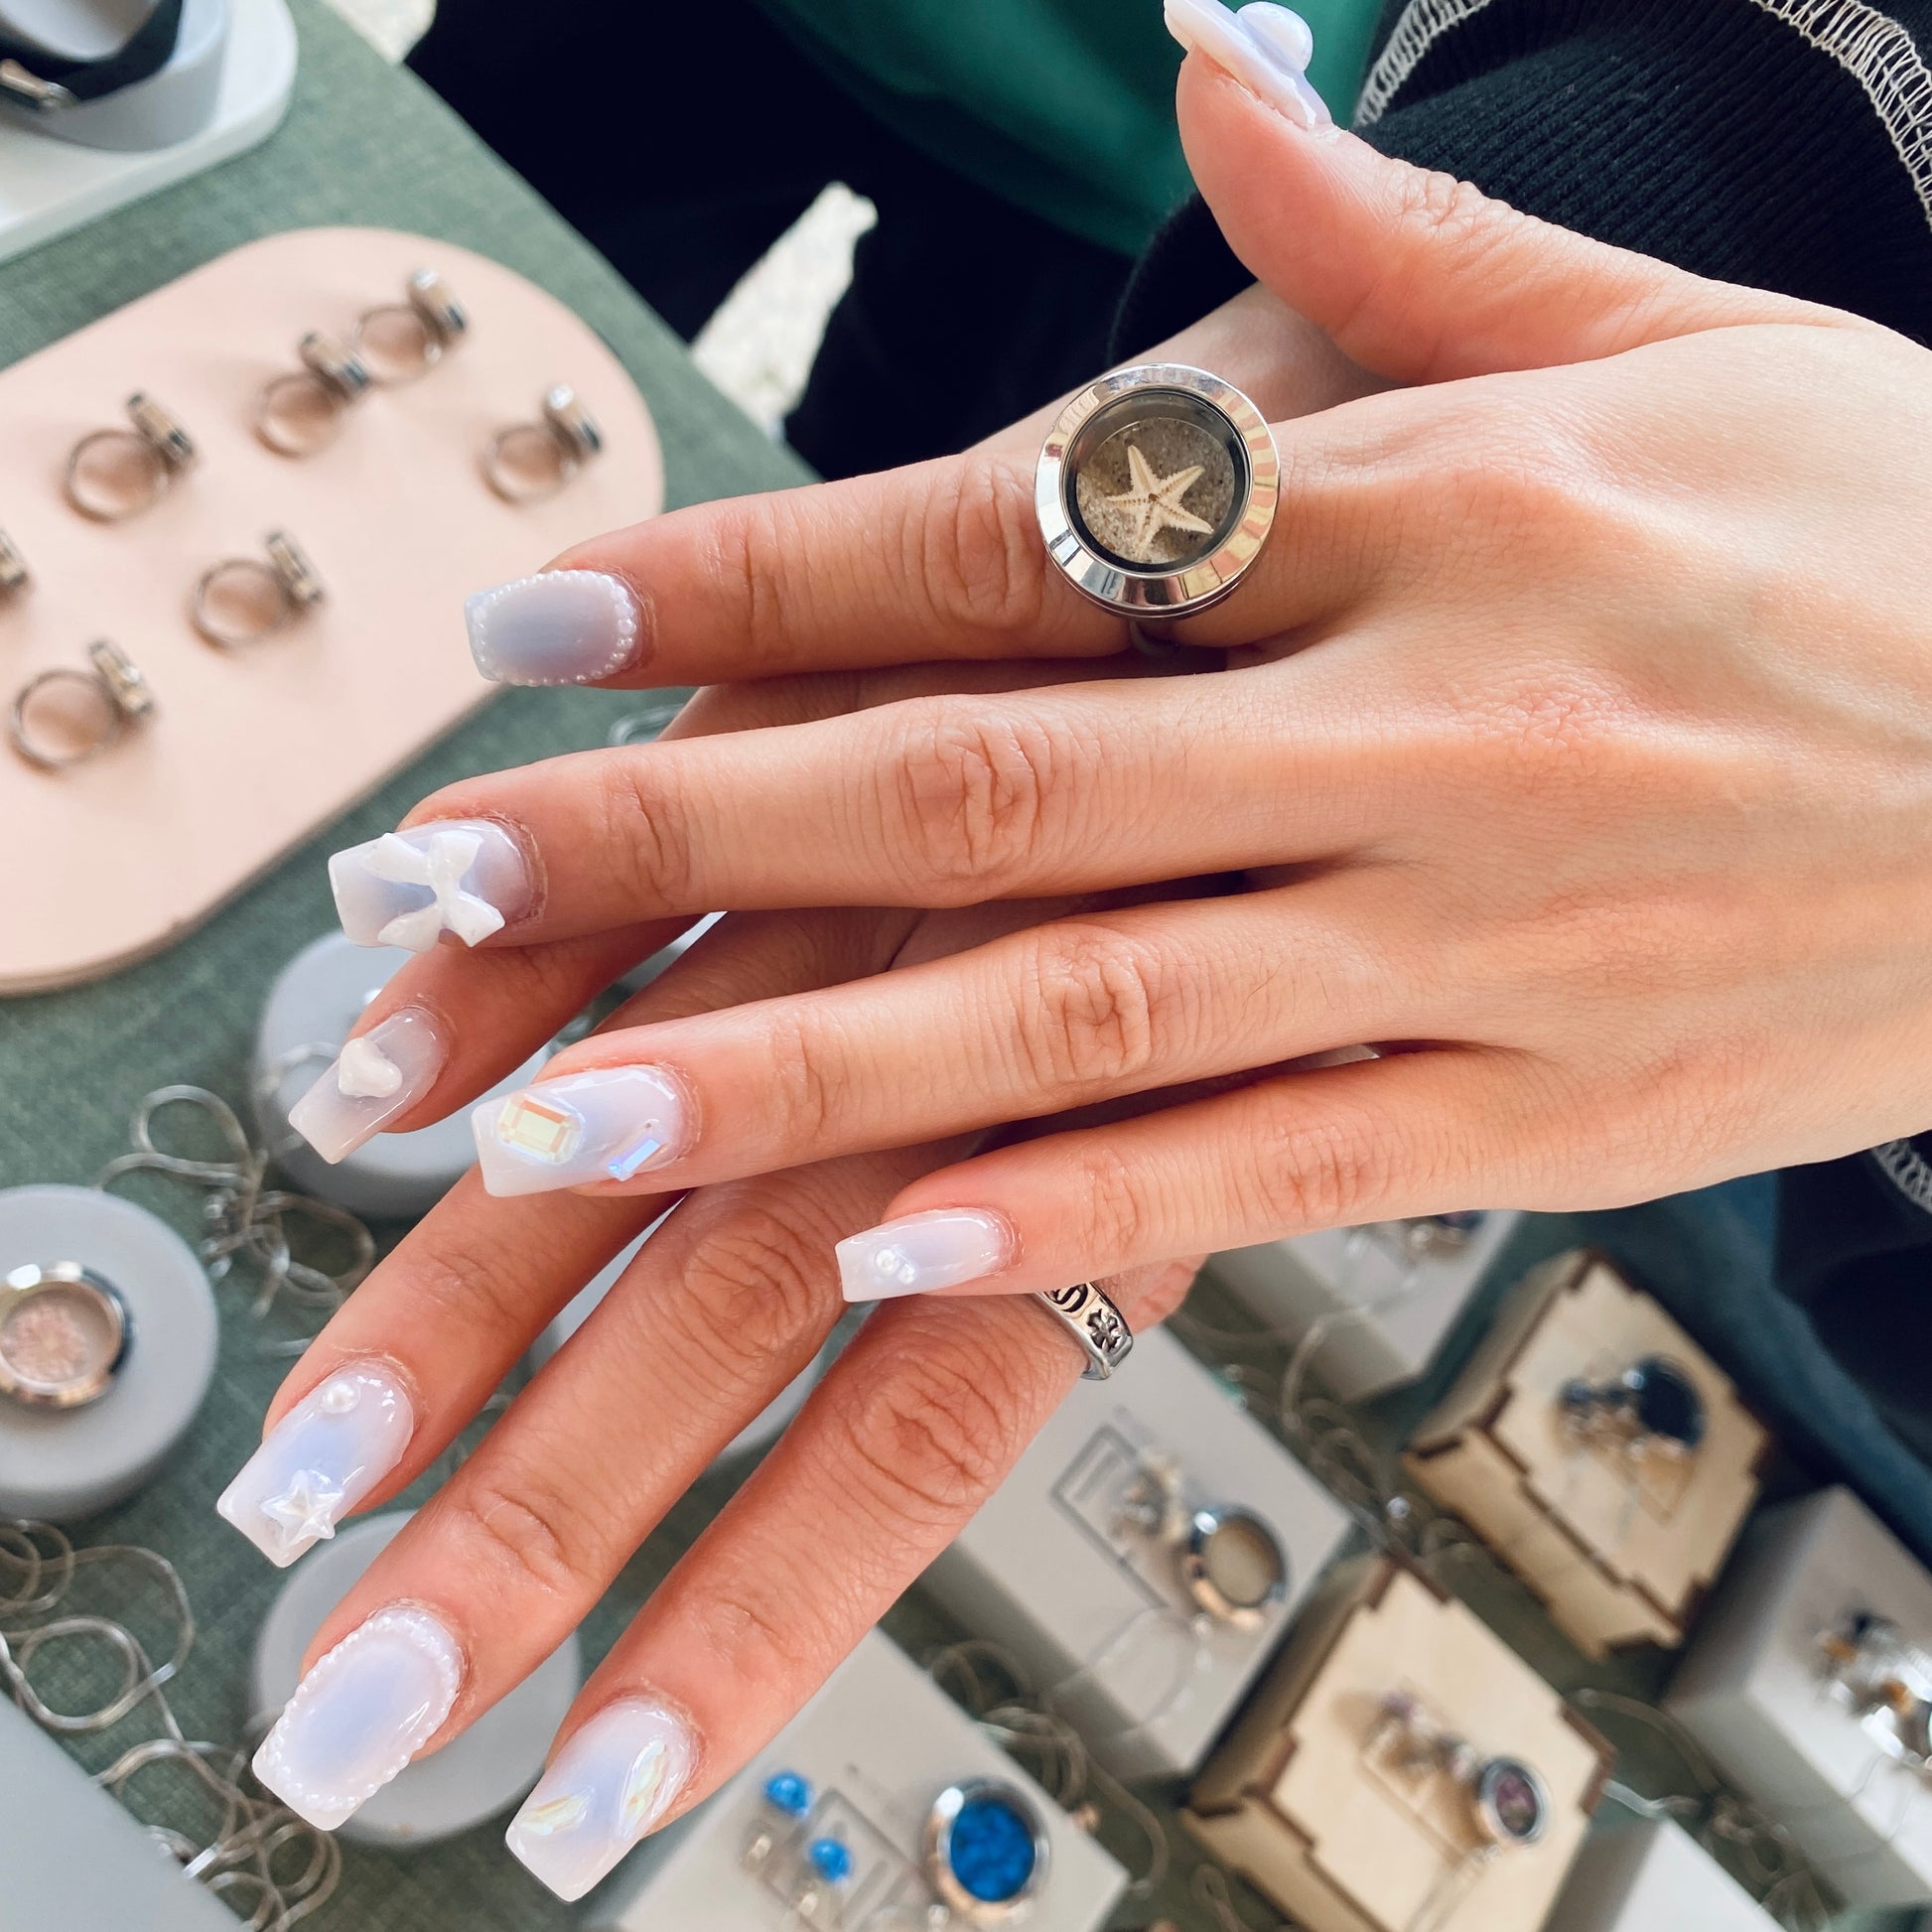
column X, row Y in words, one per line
column 1156, row 490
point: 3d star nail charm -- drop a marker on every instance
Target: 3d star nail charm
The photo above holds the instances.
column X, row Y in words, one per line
column 306, row 1510
column 1155, row 500
column 440, row 862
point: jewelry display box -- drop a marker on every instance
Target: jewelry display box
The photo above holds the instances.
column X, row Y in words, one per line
column 1652, row 1875
column 1312, row 1801
column 1080, row 1563
column 865, row 1765
column 249, row 749
column 1391, row 1292
column 1756, row 1691
column 1618, row 1531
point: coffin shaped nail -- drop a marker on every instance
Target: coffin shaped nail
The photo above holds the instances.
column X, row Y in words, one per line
column 922, row 1252
column 563, row 627
column 320, row 1460
column 610, row 1785
column 602, row 1126
column 362, row 1714
column 376, row 1076
column 465, row 876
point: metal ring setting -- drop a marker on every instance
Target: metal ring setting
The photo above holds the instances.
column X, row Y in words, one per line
column 986, row 1851
column 431, row 310
column 13, row 574
column 1094, row 1322
column 562, row 441
column 288, row 581
column 115, row 681
column 1242, row 1606
column 1183, row 471
column 156, row 439
column 64, row 1335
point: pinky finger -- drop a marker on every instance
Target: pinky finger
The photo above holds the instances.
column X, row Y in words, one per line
column 1414, row 1133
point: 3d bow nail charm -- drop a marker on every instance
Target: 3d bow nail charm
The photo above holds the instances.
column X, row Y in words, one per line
column 439, row 863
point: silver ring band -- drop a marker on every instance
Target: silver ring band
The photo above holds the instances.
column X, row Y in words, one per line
column 115, row 681
column 1094, row 1322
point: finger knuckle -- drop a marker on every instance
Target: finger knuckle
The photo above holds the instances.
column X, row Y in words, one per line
column 753, row 1284
column 932, row 1437
column 1095, row 1010
column 972, row 787
column 1116, row 1212
column 645, row 839
column 974, row 546
column 524, row 1535
column 1325, row 1172
column 1453, row 212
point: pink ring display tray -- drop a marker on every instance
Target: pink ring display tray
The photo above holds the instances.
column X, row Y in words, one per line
column 250, row 750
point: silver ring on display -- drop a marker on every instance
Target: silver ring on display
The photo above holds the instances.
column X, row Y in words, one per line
column 422, row 329
column 117, row 690
column 114, row 474
column 1156, row 490
column 1234, row 1567
column 63, row 1335
column 302, row 412
column 13, row 574
column 986, row 1851
column 530, row 460
column 266, row 596
column 1094, row 1322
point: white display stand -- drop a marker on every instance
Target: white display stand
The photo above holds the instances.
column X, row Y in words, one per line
column 1407, row 1306
column 49, row 185
column 879, row 1743
column 1651, row 1875
column 1093, row 1606
column 1753, row 1693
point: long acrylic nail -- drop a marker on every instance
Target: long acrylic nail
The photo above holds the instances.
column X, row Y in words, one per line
column 465, row 876
column 606, row 1125
column 320, row 1460
column 362, row 1714
column 919, row 1253
column 1260, row 54
column 562, row 627
column 610, row 1785
column 376, row 1076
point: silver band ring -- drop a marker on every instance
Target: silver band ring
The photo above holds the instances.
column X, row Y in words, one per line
column 114, row 474
column 117, row 691
column 13, row 574
column 302, row 412
column 1094, row 1322
column 1156, row 490
column 530, row 460
column 398, row 342
column 64, row 1334
column 242, row 599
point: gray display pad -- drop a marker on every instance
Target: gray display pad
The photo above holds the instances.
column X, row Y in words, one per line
column 475, row 1776
column 315, row 1001
column 1055, row 1568
column 65, row 1463
column 73, row 1860
column 879, row 1743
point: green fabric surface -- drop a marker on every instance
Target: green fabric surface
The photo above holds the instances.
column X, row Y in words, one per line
column 1065, row 107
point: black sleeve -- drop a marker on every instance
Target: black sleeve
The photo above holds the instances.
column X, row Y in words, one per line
column 1786, row 144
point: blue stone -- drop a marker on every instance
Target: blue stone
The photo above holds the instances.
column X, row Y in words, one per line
column 992, row 1851
column 830, row 1859
column 788, row 1792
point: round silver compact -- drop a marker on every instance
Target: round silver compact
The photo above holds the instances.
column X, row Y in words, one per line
column 1156, row 490
column 1234, row 1567
column 64, row 1335
column 986, row 1851
column 1512, row 1806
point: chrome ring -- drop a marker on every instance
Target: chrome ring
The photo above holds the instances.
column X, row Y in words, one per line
column 115, row 681
column 1210, row 1590
column 974, row 1898
column 431, row 310
column 288, row 577
column 64, row 1335
column 15, row 576
column 564, row 438
column 157, row 438
column 1094, row 1322
column 1166, row 520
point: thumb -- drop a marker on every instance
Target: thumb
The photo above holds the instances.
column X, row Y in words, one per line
column 1417, row 276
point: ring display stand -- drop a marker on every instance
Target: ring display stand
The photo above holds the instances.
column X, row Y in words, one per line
column 59, row 171
column 250, row 750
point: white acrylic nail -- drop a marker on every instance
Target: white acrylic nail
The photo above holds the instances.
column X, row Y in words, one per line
column 376, row 1076
column 362, row 1714
column 940, row 1248
column 320, row 1460
column 607, row 1125
column 1281, row 31
column 465, row 876
column 562, row 627
column 610, row 1785
column 1260, row 59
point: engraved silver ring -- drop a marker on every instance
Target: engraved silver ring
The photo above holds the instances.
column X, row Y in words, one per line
column 1094, row 1322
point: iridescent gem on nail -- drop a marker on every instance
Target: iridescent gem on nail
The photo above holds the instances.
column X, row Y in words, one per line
column 539, row 1128
column 609, row 1124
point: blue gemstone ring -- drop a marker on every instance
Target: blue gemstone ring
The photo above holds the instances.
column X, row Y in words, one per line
column 986, row 1851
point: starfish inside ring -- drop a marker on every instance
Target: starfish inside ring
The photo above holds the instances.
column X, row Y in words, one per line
column 1155, row 501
